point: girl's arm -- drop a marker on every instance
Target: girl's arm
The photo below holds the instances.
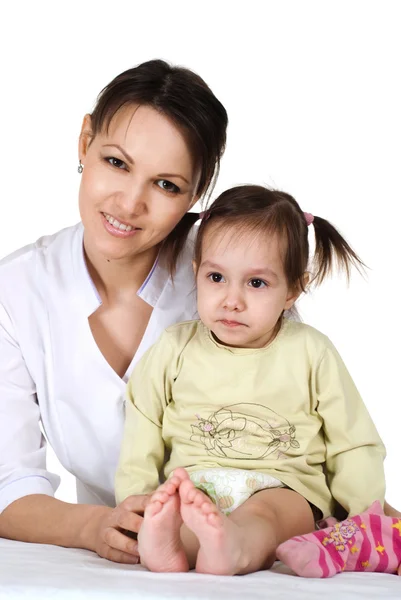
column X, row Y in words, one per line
column 148, row 394
column 354, row 450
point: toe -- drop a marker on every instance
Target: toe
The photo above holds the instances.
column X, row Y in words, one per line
column 187, row 491
column 159, row 496
column 199, row 498
column 181, row 474
column 153, row 508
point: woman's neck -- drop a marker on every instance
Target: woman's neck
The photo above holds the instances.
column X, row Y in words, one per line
column 119, row 277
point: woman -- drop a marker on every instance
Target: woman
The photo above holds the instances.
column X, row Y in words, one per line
column 79, row 308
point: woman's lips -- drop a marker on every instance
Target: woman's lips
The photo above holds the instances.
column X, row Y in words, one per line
column 116, row 231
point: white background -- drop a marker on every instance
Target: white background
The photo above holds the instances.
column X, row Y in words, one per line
column 312, row 89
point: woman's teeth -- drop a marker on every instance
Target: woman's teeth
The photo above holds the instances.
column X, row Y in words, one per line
column 117, row 224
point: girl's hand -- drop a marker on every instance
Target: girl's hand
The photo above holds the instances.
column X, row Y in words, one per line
column 104, row 533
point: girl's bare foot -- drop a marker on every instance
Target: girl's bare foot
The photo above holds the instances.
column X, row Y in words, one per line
column 159, row 541
column 222, row 549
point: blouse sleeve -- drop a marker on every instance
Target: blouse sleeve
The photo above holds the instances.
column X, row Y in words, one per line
column 22, row 444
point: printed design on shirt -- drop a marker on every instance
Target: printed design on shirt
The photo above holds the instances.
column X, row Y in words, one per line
column 239, row 431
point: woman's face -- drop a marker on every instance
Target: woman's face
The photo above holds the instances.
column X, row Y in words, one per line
column 139, row 179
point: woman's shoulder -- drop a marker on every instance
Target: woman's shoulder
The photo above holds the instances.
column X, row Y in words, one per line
column 56, row 242
column 28, row 265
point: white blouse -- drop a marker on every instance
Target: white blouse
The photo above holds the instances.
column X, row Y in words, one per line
column 52, row 371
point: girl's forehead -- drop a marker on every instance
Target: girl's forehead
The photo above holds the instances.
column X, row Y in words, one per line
column 242, row 242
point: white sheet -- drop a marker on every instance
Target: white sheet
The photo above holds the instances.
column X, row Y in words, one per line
column 38, row 571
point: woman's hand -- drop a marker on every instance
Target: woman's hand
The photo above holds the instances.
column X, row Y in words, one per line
column 104, row 532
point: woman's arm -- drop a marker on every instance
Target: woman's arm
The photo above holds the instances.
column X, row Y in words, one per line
column 28, row 510
column 39, row 518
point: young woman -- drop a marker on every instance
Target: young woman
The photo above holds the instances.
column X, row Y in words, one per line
column 79, row 308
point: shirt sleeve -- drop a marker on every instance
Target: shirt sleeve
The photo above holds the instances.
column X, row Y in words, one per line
column 354, row 450
column 22, row 444
column 147, row 396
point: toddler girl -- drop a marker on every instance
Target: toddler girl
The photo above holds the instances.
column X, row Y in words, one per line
column 261, row 424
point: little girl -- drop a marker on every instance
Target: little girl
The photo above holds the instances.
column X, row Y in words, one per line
column 261, row 424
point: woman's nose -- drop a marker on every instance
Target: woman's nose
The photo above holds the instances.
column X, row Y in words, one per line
column 133, row 200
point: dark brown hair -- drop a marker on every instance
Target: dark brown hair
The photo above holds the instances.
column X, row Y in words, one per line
column 184, row 98
column 253, row 208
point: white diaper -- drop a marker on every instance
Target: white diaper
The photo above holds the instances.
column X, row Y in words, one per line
column 229, row 488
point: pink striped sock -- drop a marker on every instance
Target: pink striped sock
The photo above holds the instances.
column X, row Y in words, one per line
column 367, row 542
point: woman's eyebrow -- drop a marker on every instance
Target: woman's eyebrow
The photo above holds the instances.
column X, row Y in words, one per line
column 173, row 175
column 127, row 157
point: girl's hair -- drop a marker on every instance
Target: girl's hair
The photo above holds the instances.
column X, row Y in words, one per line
column 258, row 210
column 185, row 99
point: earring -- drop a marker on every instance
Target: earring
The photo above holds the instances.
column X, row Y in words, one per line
column 80, row 167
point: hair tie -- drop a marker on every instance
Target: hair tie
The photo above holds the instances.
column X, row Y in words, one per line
column 204, row 215
column 309, row 218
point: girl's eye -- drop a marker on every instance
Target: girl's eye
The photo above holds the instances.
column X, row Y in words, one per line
column 216, row 277
column 168, row 186
column 257, row 283
column 116, row 162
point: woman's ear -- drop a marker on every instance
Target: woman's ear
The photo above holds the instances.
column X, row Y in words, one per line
column 85, row 137
column 195, row 267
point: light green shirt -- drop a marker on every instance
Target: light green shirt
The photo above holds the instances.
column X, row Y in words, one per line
column 290, row 410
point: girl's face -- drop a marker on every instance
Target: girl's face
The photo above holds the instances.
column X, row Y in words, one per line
column 139, row 179
column 242, row 288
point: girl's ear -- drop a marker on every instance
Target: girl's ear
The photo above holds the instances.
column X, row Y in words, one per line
column 294, row 293
column 195, row 267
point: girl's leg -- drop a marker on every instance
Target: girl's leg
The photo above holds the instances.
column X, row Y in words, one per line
column 370, row 541
column 390, row 511
column 165, row 544
column 159, row 540
column 246, row 541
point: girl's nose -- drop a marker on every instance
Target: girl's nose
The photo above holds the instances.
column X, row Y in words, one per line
column 234, row 300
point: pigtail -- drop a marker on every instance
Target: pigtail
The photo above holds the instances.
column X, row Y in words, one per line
column 330, row 248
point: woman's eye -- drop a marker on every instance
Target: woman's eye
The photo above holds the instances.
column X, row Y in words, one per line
column 168, row 186
column 257, row 283
column 216, row 277
column 116, row 162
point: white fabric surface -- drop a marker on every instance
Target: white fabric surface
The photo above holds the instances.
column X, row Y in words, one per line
column 38, row 571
